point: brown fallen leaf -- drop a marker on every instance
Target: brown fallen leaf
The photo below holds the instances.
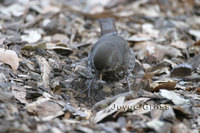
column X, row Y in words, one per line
column 183, row 111
column 9, row 57
column 144, row 82
column 56, row 87
column 198, row 90
column 67, row 115
column 197, row 43
column 164, row 84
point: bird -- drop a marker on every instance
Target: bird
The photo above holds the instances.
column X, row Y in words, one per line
column 111, row 57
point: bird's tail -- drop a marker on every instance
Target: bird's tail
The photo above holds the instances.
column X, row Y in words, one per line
column 107, row 26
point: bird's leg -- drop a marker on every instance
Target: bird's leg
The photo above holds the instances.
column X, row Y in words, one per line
column 89, row 86
column 97, row 75
column 129, row 87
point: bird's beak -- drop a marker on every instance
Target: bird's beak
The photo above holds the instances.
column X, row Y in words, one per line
column 100, row 76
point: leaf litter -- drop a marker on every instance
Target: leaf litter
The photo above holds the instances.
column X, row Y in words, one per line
column 43, row 63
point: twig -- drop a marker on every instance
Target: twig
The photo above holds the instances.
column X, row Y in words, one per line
column 32, row 23
column 37, row 20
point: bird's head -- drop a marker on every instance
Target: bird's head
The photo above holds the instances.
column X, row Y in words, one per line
column 103, row 58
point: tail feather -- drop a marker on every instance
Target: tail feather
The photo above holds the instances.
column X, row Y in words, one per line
column 107, row 26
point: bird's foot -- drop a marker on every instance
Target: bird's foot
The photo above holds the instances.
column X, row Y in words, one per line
column 129, row 86
column 89, row 88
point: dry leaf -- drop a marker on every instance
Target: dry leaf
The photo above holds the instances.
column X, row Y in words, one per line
column 149, row 29
column 58, row 46
column 155, row 52
column 179, row 44
column 45, row 109
column 175, row 98
column 155, row 124
column 168, row 114
column 183, row 111
column 5, row 97
column 195, row 33
column 180, row 128
column 109, row 110
column 16, row 10
column 60, row 38
column 19, row 93
column 67, row 115
column 9, row 57
column 33, row 36
column 140, row 38
column 32, row 47
column 45, row 69
column 163, row 84
column 181, row 70
column 152, row 11
column 83, row 71
column 74, row 111
column 50, row 8
column 197, row 43
column 132, row 105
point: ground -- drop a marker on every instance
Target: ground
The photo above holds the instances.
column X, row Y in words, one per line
column 44, row 47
